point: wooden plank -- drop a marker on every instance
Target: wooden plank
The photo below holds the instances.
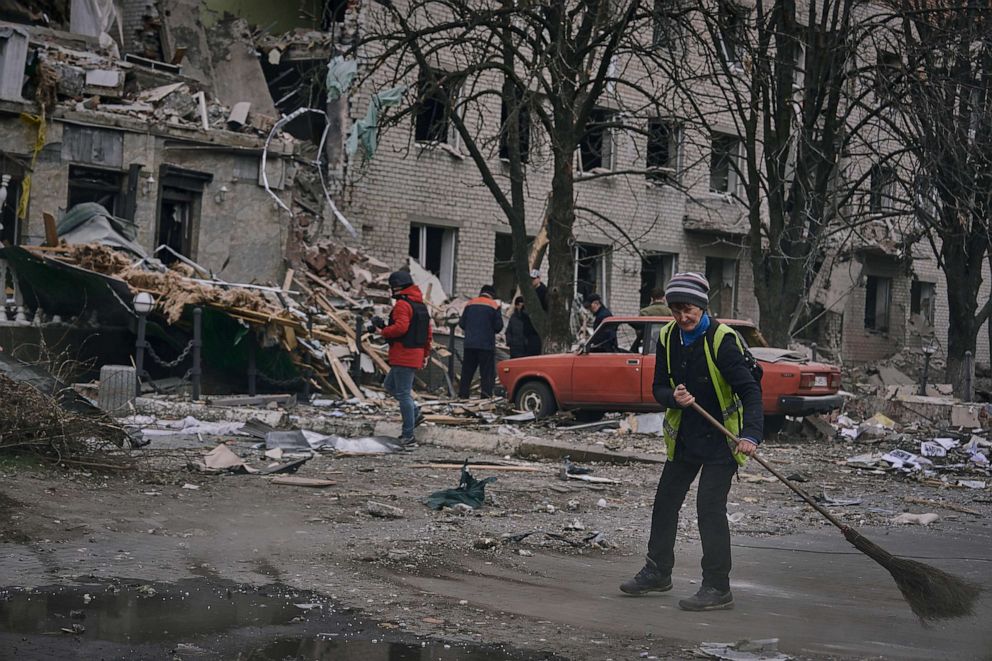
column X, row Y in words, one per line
column 291, row 343
column 342, row 374
column 488, row 467
column 334, row 289
column 333, row 314
column 287, row 282
column 51, row 231
column 954, row 507
column 293, row 481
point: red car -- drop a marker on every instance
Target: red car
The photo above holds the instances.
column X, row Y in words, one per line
column 592, row 383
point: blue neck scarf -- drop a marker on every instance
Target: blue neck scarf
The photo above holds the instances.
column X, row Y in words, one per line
column 697, row 332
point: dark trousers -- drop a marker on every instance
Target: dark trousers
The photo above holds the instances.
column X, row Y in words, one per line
column 485, row 361
column 711, row 512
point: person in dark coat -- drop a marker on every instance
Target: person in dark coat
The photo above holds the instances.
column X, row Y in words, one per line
column 540, row 288
column 701, row 361
column 521, row 336
column 481, row 320
column 604, row 341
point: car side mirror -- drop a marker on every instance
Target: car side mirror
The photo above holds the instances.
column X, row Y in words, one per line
column 583, row 348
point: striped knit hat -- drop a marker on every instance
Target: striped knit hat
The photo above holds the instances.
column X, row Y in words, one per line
column 691, row 288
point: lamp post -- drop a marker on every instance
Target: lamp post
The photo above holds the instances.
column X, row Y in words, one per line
column 929, row 348
column 143, row 304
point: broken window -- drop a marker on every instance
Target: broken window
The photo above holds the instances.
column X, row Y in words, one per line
column 333, row 13
column 597, row 147
column 519, row 110
column 13, row 54
column 922, row 301
column 437, row 97
column 878, row 299
column 590, row 270
column 662, row 151
column 10, row 195
column 179, row 211
column 883, row 189
column 105, row 187
column 888, row 76
column 295, row 84
column 434, row 249
column 731, row 34
column 662, row 23
column 722, row 274
column 656, row 271
column 724, row 159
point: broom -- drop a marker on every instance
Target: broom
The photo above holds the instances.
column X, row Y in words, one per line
column 931, row 593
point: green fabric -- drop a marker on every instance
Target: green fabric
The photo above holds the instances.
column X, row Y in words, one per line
column 731, row 410
column 656, row 310
column 81, row 213
column 470, row 491
column 366, row 130
column 340, row 73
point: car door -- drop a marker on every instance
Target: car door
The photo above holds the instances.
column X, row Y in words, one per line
column 604, row 379
column 648, row 361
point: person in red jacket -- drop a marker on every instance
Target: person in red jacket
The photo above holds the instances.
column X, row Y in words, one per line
column 409, row 335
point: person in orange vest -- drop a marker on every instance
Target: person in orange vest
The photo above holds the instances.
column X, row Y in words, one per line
column 481, row 320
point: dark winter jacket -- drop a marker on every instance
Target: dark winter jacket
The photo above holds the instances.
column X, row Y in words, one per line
column 542, row 295
column 481, row 320
column 698, row 441
column 399, row 325
column 521, row 336
column 604, row 341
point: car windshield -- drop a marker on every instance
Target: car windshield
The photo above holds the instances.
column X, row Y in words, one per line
column 616, row 338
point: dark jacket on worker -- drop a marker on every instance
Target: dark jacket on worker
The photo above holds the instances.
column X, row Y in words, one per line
column 698, row 441
column 521, row 336
column 605, row 340
column 481, row 320
column 401, row 321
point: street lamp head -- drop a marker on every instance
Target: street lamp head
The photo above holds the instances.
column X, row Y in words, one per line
column 452, row 318
column 929, row 346
column 143, row 303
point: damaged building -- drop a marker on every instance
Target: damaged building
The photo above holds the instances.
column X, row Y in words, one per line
column 208, row 125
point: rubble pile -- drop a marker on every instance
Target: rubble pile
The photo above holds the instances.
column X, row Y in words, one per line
column 32, row 422
column 348, row 273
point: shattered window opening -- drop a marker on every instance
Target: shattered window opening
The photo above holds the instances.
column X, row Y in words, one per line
column 105, row 187
column 731, row 36
column 437, row 93
column 656, row 271
column 663, row 151
column 922, row 301
column 878, row 300
column 590, row 270
column 722, row 274
column 882, row 197
column 434, row 249
column 598, row 146
column 725, row 152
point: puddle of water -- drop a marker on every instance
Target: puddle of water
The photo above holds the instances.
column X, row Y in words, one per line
column 201, row 617
column 135, row 614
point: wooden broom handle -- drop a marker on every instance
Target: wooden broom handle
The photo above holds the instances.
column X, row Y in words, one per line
column 733, row 440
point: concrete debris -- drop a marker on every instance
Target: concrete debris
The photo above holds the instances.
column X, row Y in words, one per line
column 915, row 519
column 745, row 650
column 383, row 511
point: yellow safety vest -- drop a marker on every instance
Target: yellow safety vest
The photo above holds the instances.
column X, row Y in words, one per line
column 731, row 409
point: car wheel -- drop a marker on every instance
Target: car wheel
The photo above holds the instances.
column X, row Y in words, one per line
column 536, row 397
column 585, row 415
column 773, row 424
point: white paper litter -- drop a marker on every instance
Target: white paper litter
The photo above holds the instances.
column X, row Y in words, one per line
column 745, row 650
column 972, row 484
column 932, row 449
column 916, row 519
column 190, row 425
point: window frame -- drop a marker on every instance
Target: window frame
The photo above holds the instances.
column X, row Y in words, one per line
column 732, row 165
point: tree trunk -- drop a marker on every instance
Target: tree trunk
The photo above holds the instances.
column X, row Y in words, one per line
column 962, row 304
column 561, row 261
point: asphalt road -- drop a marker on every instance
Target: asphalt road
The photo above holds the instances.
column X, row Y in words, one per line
column 814, row 592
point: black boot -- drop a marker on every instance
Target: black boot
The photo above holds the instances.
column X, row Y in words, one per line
column 649, row 579
column 708, row 599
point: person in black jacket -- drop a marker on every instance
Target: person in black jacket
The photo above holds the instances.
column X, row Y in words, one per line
column 481, row 320
column 521, row 336
column 604, row 341
column 690, row 350
column 540, row 288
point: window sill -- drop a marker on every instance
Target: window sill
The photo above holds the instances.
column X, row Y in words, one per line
column 441, row 146
column 595, row 173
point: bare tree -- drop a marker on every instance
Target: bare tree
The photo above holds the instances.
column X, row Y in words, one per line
column 770, row 88
column 940, row 86
column 564, row 74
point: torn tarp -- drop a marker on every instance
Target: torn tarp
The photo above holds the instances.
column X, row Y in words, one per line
column 470, row 491
column 90, row 222
column 366, row 130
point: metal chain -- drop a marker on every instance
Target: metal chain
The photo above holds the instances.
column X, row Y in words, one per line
column 171, row 363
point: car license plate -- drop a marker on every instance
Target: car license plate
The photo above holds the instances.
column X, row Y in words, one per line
column 820, row 382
